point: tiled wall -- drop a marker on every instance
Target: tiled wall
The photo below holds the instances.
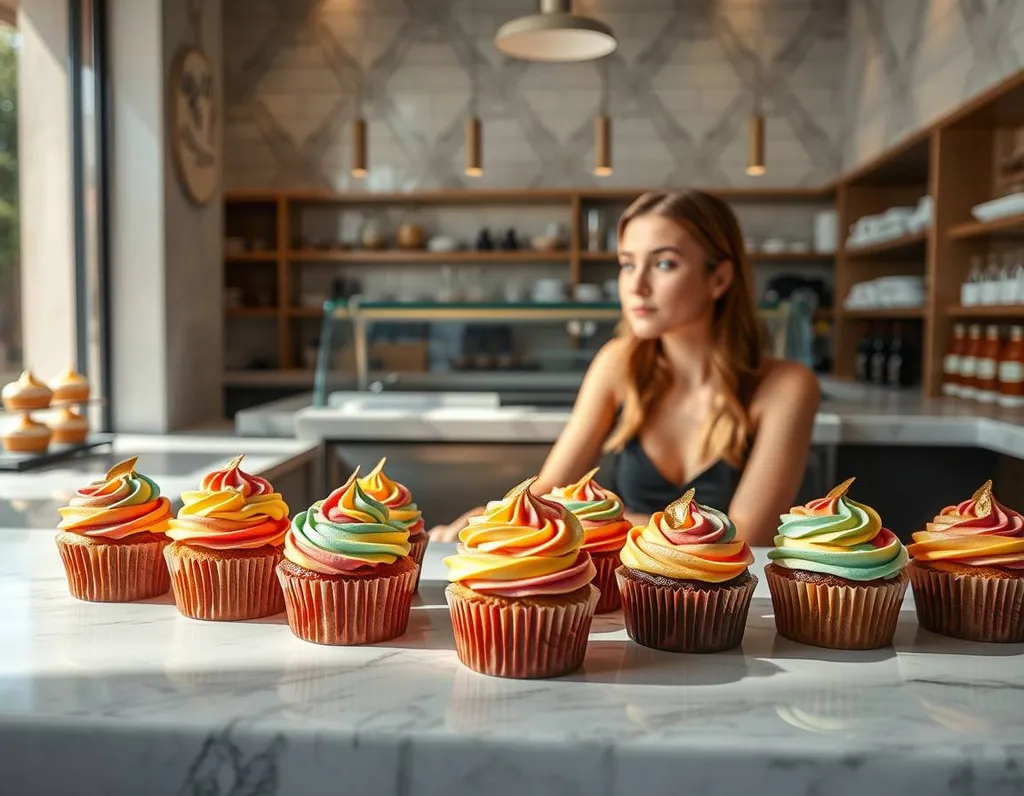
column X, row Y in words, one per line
column 679, row 89
column 912, row 61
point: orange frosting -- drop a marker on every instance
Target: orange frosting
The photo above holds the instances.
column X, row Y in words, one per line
column 599, row 510
column 123, row 503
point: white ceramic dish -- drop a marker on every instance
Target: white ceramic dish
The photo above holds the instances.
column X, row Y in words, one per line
column 999, row 208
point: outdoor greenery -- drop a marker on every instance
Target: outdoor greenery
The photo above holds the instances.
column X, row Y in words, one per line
column 9, row 246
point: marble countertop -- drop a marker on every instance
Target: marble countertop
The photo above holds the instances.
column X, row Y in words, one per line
column 850, row 414
column 132, row 699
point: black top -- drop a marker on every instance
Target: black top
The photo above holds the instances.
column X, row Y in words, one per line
column 644, row 489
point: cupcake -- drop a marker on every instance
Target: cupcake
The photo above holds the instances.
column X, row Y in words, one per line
column 684, row 580
column 347, row 574
column 403, row 512
column 27, row 436
column 521, row 596
column 112, row 537
column 600, row 512
column 837, row 577
column 69, row 427
column 227, row 539
column 71, row 387
column 968, row 571
column 26, row 393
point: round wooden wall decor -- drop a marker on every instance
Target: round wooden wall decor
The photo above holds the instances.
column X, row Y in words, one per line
column 194, row 119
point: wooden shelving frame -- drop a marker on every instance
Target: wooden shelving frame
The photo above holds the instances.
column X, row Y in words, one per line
column 952, row 160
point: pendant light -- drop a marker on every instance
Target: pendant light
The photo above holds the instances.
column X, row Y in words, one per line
column 755, row 125
column 474, row 129
column 357, row 129
column 555, row 34
column 603, row 130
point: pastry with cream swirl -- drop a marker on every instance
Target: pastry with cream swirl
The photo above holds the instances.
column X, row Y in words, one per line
column 227, row 539
column 112, row 537
column 521, row 597
column 837, row 575
column 684, row 580
column 602, row 515
column 347, row 574
column 967, row 571
column 403, row 511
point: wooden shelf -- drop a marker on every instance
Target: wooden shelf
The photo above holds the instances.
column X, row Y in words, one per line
column 906, row 245
column 252, row 312
column 251, row 257
column 755, row 256
column 1009, row 226
column 987, row 311
column 885, row 313
column 305, row 312
column 295, row 377
column 426, row 257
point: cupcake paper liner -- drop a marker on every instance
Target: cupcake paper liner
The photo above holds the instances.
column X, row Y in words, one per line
column 529, row 638
column 847, row 617
column 113, row 572
column 673, row 619
column 224, row 587
column 348, row 611
column 418, row 545
column 971, row 607
column 606, row 564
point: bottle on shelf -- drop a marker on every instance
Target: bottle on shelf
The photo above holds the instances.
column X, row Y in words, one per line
column 1008, row 279
column 970, row 291
column 862, row 357
column 969, row 362
column 986, row 368
column 877, row 369
column 990, row 285
column 1011, row 370
column 951, row 362
column 897, row 360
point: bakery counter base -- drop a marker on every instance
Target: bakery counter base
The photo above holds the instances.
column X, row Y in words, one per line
column 134, row 698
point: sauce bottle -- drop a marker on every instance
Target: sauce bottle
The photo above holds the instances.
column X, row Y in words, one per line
column 951, row 362
column 987, row 366
column 1011, row 370
column 969, row 362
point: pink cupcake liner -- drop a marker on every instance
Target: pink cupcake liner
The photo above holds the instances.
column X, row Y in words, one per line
column 224, row 588
column 114, row 572
column 971, row 607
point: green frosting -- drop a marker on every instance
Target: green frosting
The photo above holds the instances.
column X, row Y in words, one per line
column 368, row 535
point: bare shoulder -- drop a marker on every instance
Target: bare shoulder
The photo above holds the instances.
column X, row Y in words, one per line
column 786, row 383
column 610, row 365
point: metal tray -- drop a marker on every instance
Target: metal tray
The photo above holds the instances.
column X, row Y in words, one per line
column 19, row 462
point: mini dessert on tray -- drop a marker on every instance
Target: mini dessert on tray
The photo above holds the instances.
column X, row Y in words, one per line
column 69, row 427
column 403, row 512
column 71, row 387
column 112, row 537
column 685, row 582
column 27, row 436
column 347, row 574
column 837, row 576
column 521, row 597
column 227, row 540
column 967, row 571
column 600, row 512
column 26, row 393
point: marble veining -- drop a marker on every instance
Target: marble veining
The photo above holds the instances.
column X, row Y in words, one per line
column 138, row 699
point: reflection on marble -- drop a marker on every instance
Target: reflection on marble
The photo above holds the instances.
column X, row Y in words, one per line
column 175, row 706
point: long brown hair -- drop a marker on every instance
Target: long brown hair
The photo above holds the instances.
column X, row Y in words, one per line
column 737, row 353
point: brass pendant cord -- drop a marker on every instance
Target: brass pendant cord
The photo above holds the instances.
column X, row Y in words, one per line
column 603, row 128
column 474, row 127
column 358, row 136
column 756, row 127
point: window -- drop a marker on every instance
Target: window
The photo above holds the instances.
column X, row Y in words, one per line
column 10, row 287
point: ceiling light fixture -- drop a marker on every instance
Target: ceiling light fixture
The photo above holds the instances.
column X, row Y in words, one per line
column 555, row 34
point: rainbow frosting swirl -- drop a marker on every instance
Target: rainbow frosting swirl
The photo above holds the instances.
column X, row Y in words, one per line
column 345, row 532
column 979, row 532
column 522, row 546
column 232, row 510
column 124, row 503
column 835, row 535
column 688, row 541
column 599, row 511
column 403, row 512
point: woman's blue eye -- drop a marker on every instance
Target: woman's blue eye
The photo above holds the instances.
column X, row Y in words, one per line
column 665, row 265
column 624, row 266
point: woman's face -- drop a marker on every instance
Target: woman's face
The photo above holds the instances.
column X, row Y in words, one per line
column 664, row 281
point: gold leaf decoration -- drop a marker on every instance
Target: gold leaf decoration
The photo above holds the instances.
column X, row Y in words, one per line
column 235, row 462
column 127, row 467
column 516, row 491
column 983, row 499
column 677, row 510
column 841, row 490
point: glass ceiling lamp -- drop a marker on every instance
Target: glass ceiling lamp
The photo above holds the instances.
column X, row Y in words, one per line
column 555, row 34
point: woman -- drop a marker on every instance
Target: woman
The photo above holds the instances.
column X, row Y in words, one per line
column 684, row 394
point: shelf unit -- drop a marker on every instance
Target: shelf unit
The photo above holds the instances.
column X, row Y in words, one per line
column 1007, row 311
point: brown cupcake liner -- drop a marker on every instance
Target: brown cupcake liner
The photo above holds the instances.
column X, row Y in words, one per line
column 530, row 638
column 846, row 617
column 224, row 588
column 348, row 611
column 114, row 572
column 710, row 619
column 606, row 564
column 971, row 607
column 418, row 549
